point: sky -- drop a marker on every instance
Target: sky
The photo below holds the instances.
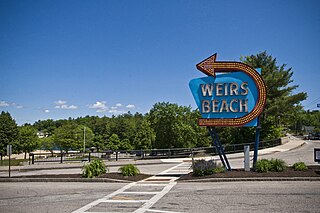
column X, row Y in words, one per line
column 72, row 58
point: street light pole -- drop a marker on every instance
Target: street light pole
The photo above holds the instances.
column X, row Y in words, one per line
column 84, row 139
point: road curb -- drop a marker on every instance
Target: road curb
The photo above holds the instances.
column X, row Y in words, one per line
column 87, row 180
column 252, row 179
column 77, row 166
column 109, row 180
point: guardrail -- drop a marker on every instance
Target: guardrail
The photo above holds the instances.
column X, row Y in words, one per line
column 144, row 154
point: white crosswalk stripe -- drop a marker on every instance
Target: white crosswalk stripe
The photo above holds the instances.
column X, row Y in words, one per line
column 144, row 197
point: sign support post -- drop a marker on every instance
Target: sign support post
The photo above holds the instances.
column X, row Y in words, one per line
column 256, row 144
column 9, row 153
column 219, row 147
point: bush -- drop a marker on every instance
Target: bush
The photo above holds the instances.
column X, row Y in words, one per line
column 219, row 169
column 129, row 170
column 300, row 166
column 262, row 166
column 277, row 165
column 94, row 169
column 203, row 167
column 274, row 165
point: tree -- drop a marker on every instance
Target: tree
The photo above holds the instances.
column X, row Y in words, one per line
column 47, row 126
column 145, row 135
column 124, row 126
column 28, row 139
column 282, row 104
column 71, row 136
column 125, row 145
column 47, row 143
column 113, row 142
column 175, row 126
column 9, row 132
column 307, row 118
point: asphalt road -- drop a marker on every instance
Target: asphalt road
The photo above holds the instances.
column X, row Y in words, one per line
column 304, row 153
column 183, row 197
column 51, row 197
column 242, row 197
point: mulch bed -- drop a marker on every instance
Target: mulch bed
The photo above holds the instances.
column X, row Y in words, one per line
column 116, row 176
column 313, row 171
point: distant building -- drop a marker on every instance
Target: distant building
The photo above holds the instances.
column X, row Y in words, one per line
column 41, row 134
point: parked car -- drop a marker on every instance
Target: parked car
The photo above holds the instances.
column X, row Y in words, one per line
column 314, row 136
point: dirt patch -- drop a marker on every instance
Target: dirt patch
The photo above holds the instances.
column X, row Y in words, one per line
column 313, row 171
column 116, row 176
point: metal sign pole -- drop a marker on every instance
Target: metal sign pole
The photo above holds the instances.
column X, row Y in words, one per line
column 222, row 149
column 219, row 147
column 9, row 167
column 9, row 152
column 256, row 144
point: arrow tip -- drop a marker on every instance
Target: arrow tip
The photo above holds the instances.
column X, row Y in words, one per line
column 207, row 66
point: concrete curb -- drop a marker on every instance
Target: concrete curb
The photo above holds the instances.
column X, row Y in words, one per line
column 251, row 179
column 87, row 180
column 108, row 180
column 77, row 166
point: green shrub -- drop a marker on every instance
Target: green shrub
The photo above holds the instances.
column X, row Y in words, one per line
column 203, row 167
column 262, row 166
column 129, row 170
column 219, row 170
column 94, row 169
column 274, row 165
column 277, row 165
column 300, row 166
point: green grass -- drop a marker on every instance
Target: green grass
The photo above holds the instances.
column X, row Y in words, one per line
column 13, row 162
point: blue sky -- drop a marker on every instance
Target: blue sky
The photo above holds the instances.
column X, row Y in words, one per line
column 61, row 59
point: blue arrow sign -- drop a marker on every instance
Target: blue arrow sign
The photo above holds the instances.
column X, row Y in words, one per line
column 227, row 95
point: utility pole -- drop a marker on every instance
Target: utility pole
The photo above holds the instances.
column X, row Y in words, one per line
column 84, row 139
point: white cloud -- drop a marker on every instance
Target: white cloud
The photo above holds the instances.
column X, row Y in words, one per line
column 113, row 111
column 116, row 111
column 131, row 106
column 46, row 111
column 100, row 106
column 69, row 107
column 60, row 102
column 4, row 104
column 7, row 104
column 63, row 105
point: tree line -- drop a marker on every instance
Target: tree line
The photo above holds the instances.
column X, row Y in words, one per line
column 166, row 125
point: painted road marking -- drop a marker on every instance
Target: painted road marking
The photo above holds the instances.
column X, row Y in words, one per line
column 160, row 211
column 164, row 182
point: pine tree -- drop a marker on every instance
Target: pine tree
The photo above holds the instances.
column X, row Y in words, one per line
column 282, row 104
